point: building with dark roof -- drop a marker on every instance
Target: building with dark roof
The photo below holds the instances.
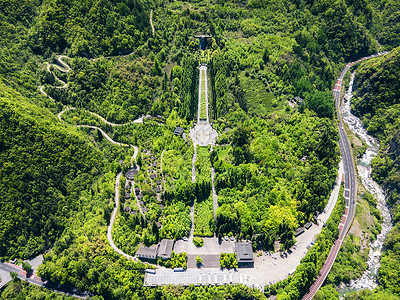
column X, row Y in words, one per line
column 165, row 249
column 147, row 252
column 203, row 41
column 178, row 131
column 308, row 225
column 244, row 254
column 299, row 231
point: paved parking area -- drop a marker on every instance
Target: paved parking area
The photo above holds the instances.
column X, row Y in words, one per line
column 209, row 261
column 5, row 278
column 192, row 276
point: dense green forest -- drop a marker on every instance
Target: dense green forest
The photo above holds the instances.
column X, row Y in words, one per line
column 377, row 102
column 272, row 191
column 57, row 182
column 43, row 169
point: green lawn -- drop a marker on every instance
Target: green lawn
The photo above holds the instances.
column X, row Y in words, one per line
column 203, row 216
column 203, row 164
column 203, row 110
column 258, row 98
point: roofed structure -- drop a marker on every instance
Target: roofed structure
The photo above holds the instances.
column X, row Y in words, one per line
column 308, row 225
column 165, row 249
column 203, row 41
column 244, row 253
column 178, row 131
column 299, row 231
column 147, row 252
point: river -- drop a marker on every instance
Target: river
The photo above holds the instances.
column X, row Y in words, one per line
column 369, row 278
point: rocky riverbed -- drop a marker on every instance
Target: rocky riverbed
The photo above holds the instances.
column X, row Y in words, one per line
column 369, row 278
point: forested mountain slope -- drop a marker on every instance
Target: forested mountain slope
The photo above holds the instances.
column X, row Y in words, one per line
column 263, row 53
column 43, row 168
column 89, row 28
column 377, row 102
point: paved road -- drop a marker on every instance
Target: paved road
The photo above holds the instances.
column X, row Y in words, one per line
column 36, row 280
column 350, row 185
column 112, row 220
column 65, row 69
column 137, row 121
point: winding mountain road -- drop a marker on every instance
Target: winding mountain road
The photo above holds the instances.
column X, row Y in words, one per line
column 112, row 220
column 66, row 69
column 137, row 121
column 350, row 185
column 36, row 280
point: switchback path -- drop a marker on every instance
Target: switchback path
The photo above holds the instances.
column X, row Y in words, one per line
column 350, row 191
column 137, row 121
column 112, row 220
column 65, row 69
column 107, row 137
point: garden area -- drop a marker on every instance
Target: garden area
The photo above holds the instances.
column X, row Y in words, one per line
column 203, row 108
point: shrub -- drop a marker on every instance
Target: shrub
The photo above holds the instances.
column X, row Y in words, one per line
column 228, row 260
column 198, row 241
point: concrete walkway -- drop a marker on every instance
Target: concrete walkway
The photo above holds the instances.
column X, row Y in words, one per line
column 203, row 134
